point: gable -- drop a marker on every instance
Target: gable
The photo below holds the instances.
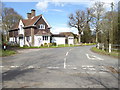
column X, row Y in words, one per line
column 42, row 20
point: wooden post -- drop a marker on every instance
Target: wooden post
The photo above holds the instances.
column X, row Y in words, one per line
column 32, row 36
column 110, row 48
column 98, row 45
column 103, row 47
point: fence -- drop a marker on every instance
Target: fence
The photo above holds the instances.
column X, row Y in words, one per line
column 109, row 47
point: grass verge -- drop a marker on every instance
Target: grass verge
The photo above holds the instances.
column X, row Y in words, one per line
column 113, row 54
column 59, row 46
column 6, row 53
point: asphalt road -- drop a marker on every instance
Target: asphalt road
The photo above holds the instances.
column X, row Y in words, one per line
column 70, row 67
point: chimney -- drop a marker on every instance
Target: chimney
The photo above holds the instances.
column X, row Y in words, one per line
column 28, row 15
column 32, row 13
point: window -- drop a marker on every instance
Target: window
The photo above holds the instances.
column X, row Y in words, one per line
column 41, row 26
column 45, row 37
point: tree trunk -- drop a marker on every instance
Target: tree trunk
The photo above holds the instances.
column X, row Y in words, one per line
column 79, row 38
column 96, row 37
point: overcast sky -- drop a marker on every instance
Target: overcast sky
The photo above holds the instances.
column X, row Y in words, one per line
column 56, row 12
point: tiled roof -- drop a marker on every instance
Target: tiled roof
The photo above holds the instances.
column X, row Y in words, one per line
column 67, row 33
column 57, row 35
column 27, row 22
column 31, row 21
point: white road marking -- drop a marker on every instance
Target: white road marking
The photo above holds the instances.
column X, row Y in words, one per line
column 64, row 63
column 30, row 67
column 87, row 66
column 52, row 67
column 1, row 66
column 74, row 68
column 93, row 57
column 67, row 53
column 70, row 49
column 14, row 66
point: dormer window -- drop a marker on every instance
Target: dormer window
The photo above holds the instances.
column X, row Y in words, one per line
column 41, row 26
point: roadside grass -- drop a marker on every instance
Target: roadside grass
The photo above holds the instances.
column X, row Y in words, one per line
column 88, row 44
column 6, row 53
column 113, row 53
column 57, row 46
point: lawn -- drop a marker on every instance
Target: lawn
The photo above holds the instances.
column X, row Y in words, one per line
column 6, row 53
column 113, row 54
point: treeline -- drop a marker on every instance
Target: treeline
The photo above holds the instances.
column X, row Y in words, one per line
column 96, row 24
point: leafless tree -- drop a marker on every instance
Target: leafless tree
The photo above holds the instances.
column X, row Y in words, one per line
column 98, row 13
column 80, row 20
column 9, row 18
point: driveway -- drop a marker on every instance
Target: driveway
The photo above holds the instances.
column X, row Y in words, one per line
column 70, row 67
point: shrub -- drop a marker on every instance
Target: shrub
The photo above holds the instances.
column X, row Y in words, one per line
column 25, row 45
column 45, row 44
column 54, row 44
column 50, row 44
column 41, row 45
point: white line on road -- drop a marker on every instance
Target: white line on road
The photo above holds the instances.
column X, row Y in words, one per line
column 1, row 66
column 30, row 67
column 67, row 53
column 70, row 49
column 14, row 66
column 64, row 63
column 93, row 57
column 52, row 67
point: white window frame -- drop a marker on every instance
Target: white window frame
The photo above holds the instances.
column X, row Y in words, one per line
column 41, row 26
column 45, row 38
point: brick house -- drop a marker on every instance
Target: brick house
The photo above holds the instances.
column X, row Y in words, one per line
column 34, row 31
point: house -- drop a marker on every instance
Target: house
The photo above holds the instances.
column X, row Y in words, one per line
column 58, row 39
column 33, row 31
column 69, row 37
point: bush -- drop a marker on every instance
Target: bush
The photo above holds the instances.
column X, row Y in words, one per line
column 50, row 44
column 25, row 45
column 45, row 44
column 53, row 44
column 41, row 45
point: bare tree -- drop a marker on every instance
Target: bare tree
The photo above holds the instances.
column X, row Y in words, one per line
column 77, row 21
column 80, row 20
column 99, row 10
column 9, row 18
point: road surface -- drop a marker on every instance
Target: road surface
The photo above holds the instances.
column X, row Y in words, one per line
column 69, row 67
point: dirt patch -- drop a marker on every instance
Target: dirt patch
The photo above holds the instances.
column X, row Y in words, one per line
column 112, row 69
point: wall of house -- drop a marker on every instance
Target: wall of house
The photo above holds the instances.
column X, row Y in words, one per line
column 38, row 40
column 45, row 41
column 21, row 31
column 70, row 40
column 12, row 39
column 28, row 43
column 58, row 40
